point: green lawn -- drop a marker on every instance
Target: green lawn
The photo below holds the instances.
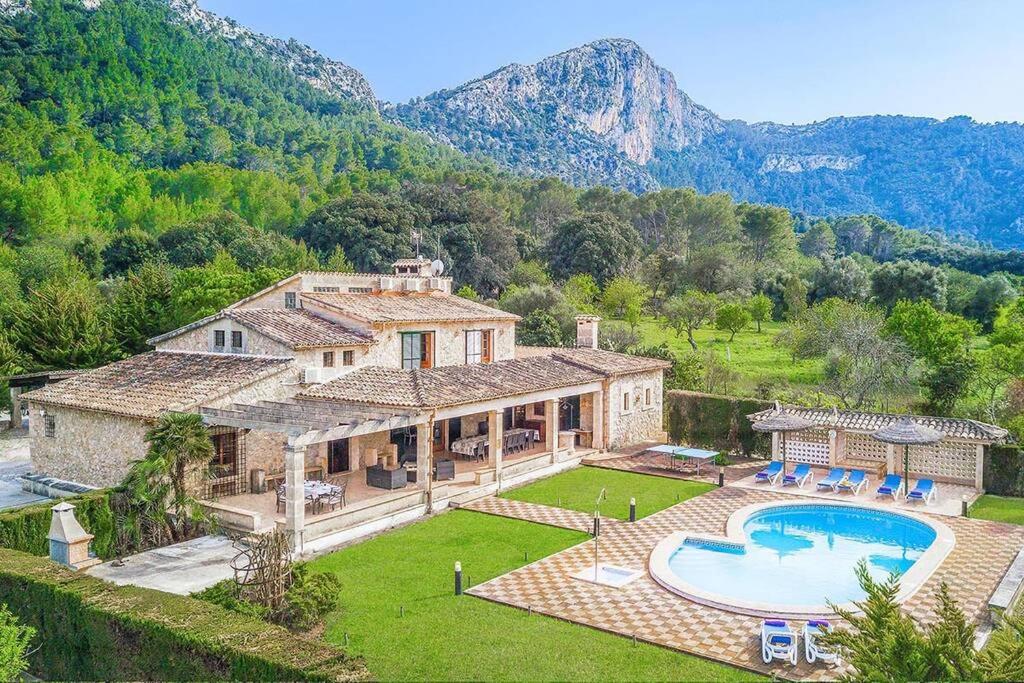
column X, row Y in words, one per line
column 756, row 357
column 578, row 489
column 441, row 637
column 999, row 509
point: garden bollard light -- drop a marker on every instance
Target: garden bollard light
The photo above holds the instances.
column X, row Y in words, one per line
column 963, row 506
column 721, row 476
column 632, row 509
column 458, row 578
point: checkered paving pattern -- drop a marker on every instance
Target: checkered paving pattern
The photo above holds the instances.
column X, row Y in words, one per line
column 644, row 610
column 658, row 464
column 541, row 514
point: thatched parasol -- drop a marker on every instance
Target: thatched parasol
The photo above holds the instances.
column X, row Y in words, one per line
column 906, row 432
column 782, row 422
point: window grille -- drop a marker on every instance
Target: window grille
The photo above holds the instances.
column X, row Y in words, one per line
column 289, row 300
column 50, row 426
column 227, row 469
column 348, row 357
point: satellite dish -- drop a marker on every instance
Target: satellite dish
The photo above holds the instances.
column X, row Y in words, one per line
column 436, row 267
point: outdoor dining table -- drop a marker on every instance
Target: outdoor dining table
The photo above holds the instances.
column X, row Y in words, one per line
column 316, row 491
column 468, row 445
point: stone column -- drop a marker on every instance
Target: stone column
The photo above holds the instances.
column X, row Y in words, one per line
column 496, row 440
column 294, row 492
column 598, row 421
column 424, row 433
column 551, row 424
column 979, row 468
column 833, row 448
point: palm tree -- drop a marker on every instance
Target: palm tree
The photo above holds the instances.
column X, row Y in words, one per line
column 179, row 454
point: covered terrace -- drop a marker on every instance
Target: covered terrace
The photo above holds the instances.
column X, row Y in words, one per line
column 402, row 443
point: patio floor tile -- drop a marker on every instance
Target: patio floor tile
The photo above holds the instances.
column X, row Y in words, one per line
column 647, row 611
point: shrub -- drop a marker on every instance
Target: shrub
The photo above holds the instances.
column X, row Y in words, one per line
column 92, row 630
column 715, row 421
column 310, row 598
column 26, row 528
column 14, row 642
column 1003, row 473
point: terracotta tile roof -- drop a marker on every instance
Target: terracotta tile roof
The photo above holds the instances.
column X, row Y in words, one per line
column 606, row 362
column 859, row 421
column 298, row 328
column 152, row 383
column 293, row 327
column 385, row 308
column 451, row 385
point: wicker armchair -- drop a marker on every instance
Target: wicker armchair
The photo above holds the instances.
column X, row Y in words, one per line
column 381, row 478
column 444, row 470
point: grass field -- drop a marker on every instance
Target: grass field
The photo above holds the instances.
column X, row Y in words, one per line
column 999, row 509
column 443, row 637
column 578, row 490
column 756, row 357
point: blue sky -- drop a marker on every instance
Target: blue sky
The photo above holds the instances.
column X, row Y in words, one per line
column 791, row 61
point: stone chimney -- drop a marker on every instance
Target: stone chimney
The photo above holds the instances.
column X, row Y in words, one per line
column 69, row 542
column 586, row 331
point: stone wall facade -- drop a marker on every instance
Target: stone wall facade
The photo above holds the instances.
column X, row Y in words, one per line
column 87, row 447
column 640, row 416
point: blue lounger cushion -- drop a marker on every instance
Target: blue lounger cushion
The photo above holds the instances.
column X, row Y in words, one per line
column 891, row 485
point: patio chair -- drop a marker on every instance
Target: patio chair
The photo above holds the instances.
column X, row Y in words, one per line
column 800, row 475
column 923, row 490
column 812, row 650
column 835, row 476
column 336, row 498
column 778, row 641
column 281, row 498
column 853, row 482
column 771, row 473
column 892, row 486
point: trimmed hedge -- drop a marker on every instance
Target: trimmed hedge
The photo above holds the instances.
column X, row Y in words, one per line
column 719, row 422
column 1004, row 470
column 25, row 529
column 88, row 629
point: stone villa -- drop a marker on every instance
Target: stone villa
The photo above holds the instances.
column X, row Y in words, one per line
column 411, row 397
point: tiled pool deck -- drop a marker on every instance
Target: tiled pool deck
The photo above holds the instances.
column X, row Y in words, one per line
column 643, row 609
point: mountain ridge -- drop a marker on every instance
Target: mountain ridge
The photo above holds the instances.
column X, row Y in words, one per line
column 606, row 113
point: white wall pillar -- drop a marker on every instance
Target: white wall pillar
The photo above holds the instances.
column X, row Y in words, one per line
column 295, row 495
column 833, row 448
column 424, row 450
column 890, row 459
column 598, row 420
column 496, row 440
column 551, row 424
column 775, row 446
column 979, row 468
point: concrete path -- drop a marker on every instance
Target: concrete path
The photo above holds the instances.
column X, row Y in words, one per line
column 540, row 514
column 184, row 568
column 14, row 462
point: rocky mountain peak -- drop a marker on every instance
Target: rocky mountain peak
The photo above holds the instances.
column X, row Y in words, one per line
column 302, row 60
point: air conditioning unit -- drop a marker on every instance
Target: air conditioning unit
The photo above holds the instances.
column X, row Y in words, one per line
column 315, row 375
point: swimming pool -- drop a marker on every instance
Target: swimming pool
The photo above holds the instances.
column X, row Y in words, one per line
column 796, row 558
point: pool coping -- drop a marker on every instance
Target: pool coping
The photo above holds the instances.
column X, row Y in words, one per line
column 910, row 582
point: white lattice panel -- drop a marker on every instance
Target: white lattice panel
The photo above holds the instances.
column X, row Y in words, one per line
column 864, row 447
column 944, row 459
column 810, row 446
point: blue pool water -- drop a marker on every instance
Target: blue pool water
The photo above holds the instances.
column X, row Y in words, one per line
column 804, row 555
